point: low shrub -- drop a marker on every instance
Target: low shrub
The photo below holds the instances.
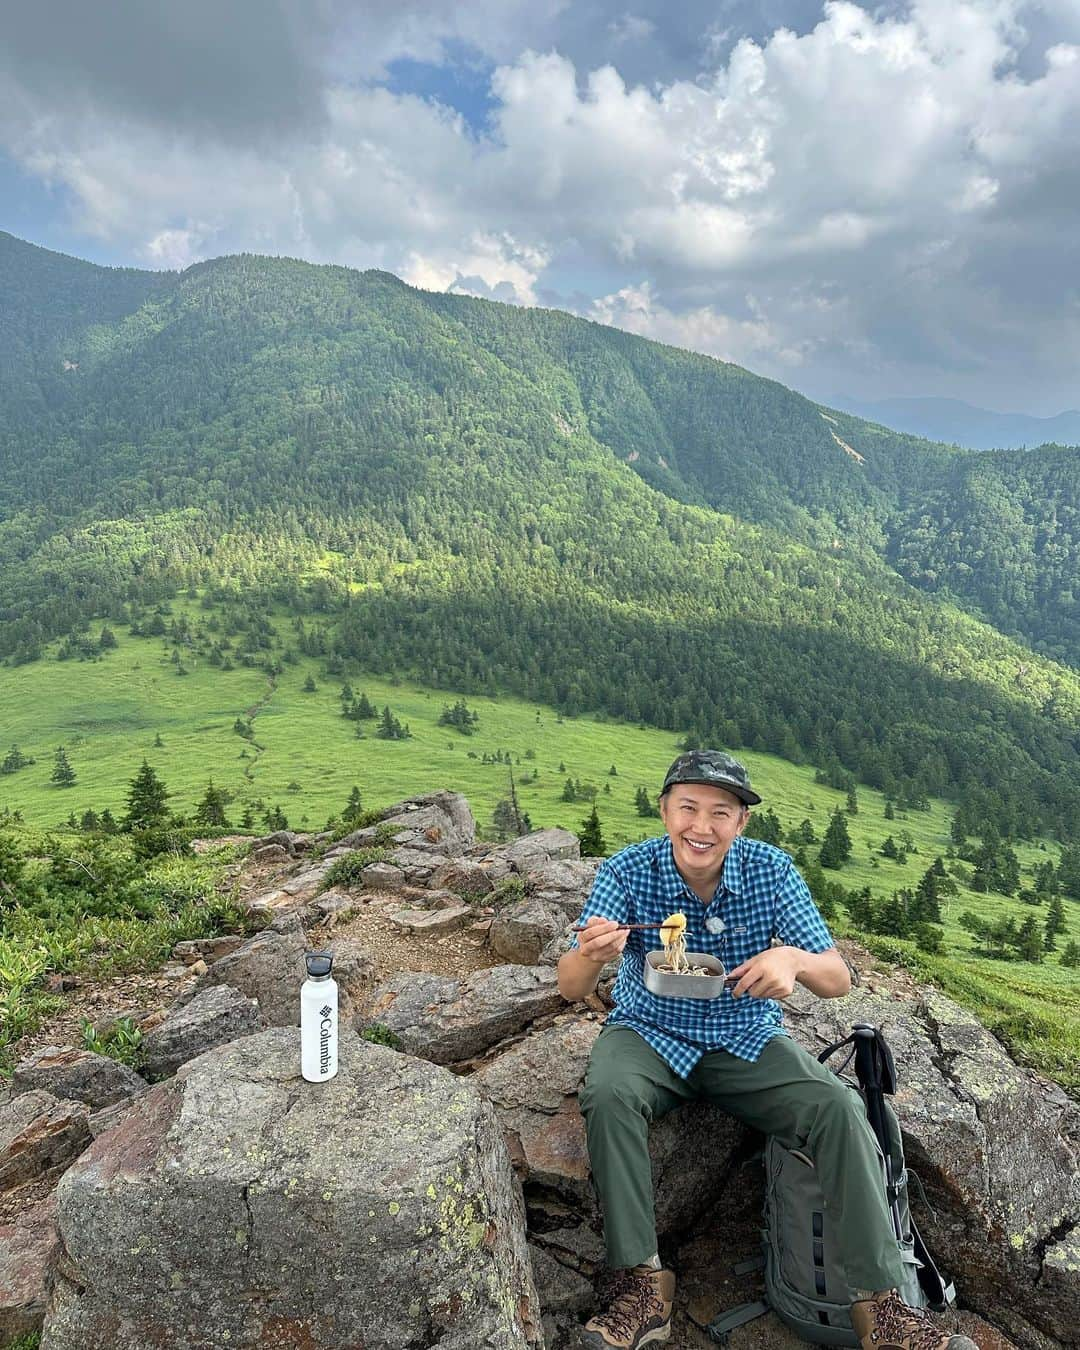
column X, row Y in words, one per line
column 345, row 871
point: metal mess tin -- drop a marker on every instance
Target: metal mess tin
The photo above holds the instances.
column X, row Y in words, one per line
column 666, row 985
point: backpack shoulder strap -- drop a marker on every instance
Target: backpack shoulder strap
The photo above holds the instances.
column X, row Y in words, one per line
column 721, row 1327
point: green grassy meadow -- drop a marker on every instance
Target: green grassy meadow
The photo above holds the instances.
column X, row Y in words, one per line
column 305, row 757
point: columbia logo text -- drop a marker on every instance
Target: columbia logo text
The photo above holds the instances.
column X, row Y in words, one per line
column 325, row 1027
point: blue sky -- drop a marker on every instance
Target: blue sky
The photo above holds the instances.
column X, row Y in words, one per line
column 860, row 202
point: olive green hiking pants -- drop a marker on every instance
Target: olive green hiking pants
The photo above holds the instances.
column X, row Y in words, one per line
column 786, row 1093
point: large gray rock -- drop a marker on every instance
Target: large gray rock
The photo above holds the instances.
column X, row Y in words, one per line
column 464, row 876
column 534, row 1087
column 989, row 1142
column 383, row 876
column 40, row 1134
column 417, row 866
column 283, row 839
column 213, row 1017
column 306, row 884
column 561, row 1289
column 568, row 879
column 240, row 1206
column 269, row 968
column 532, row 851
column 267, row 854
column 437, row 823
column 79, row 1075
column 29, row 1248
column 206, row 949
column 442, row 920
column 447, row 1020
column 521, row 931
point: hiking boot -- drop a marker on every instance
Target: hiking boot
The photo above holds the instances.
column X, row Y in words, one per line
column 639, row 1311
column 885, row 1322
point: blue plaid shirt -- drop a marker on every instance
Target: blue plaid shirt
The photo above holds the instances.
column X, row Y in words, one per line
column 760, row 896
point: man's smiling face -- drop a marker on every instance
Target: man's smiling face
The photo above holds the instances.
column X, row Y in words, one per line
column 701, row 821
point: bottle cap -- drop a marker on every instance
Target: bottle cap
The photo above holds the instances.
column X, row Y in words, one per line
column 318, row 964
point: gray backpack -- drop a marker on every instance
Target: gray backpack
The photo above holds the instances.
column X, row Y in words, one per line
column 805, row 1285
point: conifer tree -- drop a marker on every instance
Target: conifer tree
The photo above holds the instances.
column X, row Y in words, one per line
column 592, row 841
column 644, row 805
column 836, row 846
column 927, row 906
column 146, row 799
column 1028, row 940
column 14, row 760
column 1055, row 922
column 353, row 807
column 210, row 811
column 765, row 825
column 390, row 729
column 63, row 775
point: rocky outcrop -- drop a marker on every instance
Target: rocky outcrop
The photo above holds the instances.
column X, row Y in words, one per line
column 521, row 931
column 447, row 1021
column 542, row 846
column 206, row 949
column 213, row 1017
column 565, row 882
column 40, row 1134
column 466, row 877
column 79, row 1075
column 268, row 968
column 443, row 919
column 238, row 1205
column 439, row 824
column 29, row 1248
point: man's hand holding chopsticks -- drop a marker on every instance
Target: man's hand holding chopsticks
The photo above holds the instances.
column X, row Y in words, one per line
column 602, row 940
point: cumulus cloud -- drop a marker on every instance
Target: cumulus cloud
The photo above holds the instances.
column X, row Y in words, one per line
column 882, row 200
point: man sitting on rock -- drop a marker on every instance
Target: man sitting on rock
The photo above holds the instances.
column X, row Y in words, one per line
column 655, row 1053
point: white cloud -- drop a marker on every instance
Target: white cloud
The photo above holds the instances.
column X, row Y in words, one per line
column 174, row 248
column 702, row 329
column 861, row 184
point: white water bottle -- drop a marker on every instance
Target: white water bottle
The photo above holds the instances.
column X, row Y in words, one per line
column 318, row 1019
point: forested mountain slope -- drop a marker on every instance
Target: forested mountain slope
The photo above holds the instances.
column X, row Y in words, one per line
column 496, row 497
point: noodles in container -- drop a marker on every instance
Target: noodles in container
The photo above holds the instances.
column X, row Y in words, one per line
column 674, row 972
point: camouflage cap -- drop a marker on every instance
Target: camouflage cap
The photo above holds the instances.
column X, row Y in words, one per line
column 716, row 769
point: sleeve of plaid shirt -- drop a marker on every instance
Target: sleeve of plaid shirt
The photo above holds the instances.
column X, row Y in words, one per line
column 608, row 899
column 798, row 923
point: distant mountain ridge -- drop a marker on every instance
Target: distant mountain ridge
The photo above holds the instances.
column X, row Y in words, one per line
column 958, row 423
column 519, row 498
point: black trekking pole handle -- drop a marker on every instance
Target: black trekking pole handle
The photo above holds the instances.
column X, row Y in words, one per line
column 868, row 1072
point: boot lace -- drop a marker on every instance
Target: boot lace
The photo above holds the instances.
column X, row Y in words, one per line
column 633, row 1302
column 900, row 1324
